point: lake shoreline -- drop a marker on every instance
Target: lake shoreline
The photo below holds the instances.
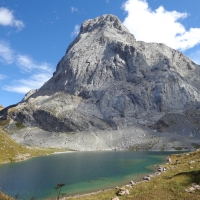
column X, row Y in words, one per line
column 137, row 180
column 28, row 158
column 173, row 183
column 73, row 151
column 96, row 185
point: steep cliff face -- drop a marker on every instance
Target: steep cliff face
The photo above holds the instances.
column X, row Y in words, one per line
column 109, row 81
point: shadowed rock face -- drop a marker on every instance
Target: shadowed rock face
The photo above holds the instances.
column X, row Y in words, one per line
column 108, row 81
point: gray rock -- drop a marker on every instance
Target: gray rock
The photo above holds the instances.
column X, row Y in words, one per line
column 161, row 169
column 146, row 178
column 115, row 198
column 27, row 95
column 123, row 191
column 113, row 91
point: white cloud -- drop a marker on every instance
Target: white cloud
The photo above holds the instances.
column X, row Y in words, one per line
column 195, row 57
column 6, row 53
column 39, row 75
column 74, row 9
column 27, row 64
column 159, row 25
column 25, row 85
column 76, row 31
column 36, row 73
column 7, row 19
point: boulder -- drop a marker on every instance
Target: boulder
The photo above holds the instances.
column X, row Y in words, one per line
column 169, row 160
column 123, row 191
column 161, row 169
column 132, row 182
column 114, row 198
column 147, row 178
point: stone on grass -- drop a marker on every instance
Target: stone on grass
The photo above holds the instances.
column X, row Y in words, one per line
column 114, row 198
column 146, row 178
column 123, row 191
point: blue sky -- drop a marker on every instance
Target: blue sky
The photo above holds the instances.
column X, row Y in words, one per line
column 35, row 34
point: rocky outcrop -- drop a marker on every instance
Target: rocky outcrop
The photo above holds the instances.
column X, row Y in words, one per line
column 107, row 81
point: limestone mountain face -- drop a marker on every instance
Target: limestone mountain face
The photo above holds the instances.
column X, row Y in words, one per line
column 108, row 81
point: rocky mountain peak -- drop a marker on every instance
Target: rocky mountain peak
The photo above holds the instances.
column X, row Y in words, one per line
column 109, row 81
column 101, row 23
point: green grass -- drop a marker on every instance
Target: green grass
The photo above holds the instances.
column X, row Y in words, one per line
column 12, row 110
column 178, row 148
column 5, row 122
column 11, row 151
column 19, row 125
column 195, row 145
column 5, row 197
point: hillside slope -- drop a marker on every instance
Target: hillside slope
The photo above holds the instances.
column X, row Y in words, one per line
column 11, row 151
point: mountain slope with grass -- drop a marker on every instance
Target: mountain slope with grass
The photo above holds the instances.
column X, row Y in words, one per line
column 11, row 151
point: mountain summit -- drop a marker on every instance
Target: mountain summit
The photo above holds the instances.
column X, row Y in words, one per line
column 111, row 91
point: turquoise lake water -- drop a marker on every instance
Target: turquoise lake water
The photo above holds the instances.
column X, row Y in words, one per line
column 82, row 172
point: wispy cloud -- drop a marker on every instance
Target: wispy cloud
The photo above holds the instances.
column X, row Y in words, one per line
column 6, row 53
column 8, row 19
column 25, row 85
column 2, row 77
column 74, row 9
column 27, row 64
column 76, row 31
column 159, row 25
column 107, row 1
column 36, row 73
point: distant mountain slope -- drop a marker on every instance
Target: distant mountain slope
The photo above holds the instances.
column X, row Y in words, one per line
column 108, row 82
column 1, row 107
column 11, row 151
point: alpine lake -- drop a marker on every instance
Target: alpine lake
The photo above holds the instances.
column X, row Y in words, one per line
column 81, row 172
